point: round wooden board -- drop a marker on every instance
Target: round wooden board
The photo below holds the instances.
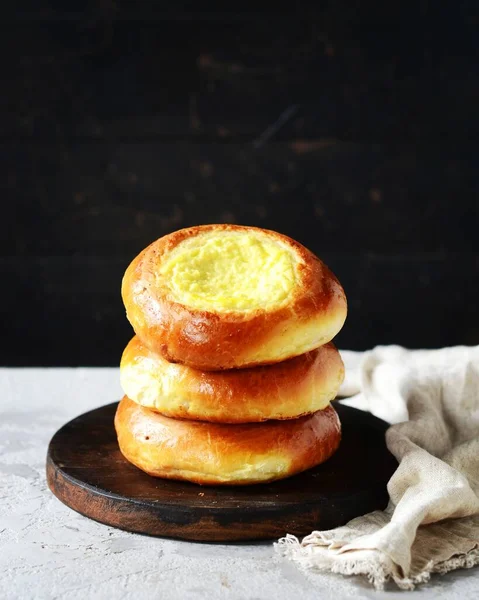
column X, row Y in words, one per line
column 87, row 472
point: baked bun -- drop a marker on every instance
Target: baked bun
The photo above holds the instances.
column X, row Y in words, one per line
column 213, row 453
column 225, row 296
column 286, row 390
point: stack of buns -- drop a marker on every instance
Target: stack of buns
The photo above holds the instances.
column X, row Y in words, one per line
column 230, row 375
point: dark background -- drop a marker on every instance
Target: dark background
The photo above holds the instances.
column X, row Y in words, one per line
column 351, row 127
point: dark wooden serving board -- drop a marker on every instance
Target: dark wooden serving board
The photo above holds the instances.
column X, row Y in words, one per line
column 87, row 472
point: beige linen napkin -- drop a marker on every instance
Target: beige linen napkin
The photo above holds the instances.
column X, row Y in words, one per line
column 432, row 521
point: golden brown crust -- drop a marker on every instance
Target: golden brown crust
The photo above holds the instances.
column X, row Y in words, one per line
column 213, row 454
column 210, row 340
column 286, row 390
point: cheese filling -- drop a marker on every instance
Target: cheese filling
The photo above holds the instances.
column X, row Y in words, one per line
column 231, row 271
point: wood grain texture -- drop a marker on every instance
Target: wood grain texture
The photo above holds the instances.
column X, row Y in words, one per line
column 349, row 68
column 86, row 471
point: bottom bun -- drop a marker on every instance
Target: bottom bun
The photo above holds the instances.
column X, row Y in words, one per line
column 224, row 454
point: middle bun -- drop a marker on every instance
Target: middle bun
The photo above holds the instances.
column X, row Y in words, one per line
column 285, row 390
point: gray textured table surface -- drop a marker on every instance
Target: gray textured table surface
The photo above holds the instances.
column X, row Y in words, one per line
column 49, row 551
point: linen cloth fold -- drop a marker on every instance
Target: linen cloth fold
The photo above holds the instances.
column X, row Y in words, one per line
column 431, row 524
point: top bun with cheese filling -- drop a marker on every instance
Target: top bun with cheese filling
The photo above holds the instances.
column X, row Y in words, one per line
column 226, row 296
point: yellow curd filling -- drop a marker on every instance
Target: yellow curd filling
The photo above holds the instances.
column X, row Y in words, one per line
column 231, row 271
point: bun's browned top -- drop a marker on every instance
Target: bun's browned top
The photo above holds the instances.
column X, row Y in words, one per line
column 168, row 308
